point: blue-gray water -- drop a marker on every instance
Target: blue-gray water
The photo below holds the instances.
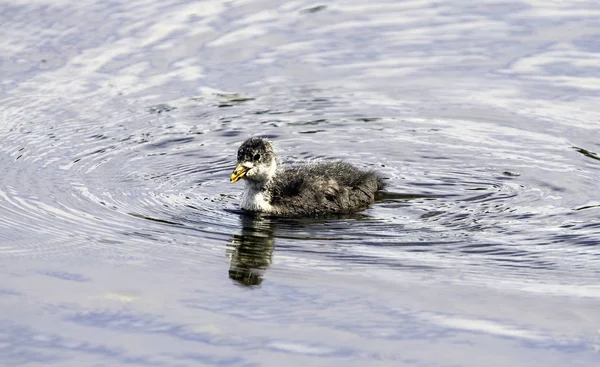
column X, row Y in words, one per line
column 120, row 239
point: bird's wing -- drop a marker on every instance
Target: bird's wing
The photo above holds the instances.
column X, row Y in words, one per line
column 304, row 191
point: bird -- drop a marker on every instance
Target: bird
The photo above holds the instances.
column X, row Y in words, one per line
column 303, row 190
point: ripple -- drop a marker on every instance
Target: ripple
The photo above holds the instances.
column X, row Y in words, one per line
column 484, row 177
column 151, row 180
column 119, row 127
column 87, row 187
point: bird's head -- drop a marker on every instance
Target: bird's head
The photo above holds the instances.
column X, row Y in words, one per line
column 255, row 162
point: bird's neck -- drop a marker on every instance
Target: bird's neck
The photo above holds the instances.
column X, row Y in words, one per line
column 256, row 197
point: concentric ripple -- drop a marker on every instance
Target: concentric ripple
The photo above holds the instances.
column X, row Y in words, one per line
column 128, row 184
column 150, row 182
column 125, row 147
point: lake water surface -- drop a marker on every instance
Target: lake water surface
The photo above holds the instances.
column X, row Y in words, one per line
column 121, row 242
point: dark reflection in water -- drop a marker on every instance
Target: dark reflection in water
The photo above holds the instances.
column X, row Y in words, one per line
column 587, row 153
column 251, row 250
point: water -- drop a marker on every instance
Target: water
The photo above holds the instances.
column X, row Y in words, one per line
column 121, row 242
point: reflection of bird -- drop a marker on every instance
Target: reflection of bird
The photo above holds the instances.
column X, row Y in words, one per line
column 251, row 251
column 303, row 190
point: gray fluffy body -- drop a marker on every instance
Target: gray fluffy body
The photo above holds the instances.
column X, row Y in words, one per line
column 311, row 189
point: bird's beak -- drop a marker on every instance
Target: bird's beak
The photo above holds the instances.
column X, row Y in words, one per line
column 238, row 172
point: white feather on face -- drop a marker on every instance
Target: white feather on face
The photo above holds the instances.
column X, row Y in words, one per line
column 261, row 172
column 258, row 157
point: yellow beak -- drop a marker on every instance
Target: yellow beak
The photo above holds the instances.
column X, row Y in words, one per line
column 238, row 172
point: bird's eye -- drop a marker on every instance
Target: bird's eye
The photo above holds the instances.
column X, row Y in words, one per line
column 256, row 157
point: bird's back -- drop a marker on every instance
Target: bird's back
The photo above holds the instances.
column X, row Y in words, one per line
column 322, row 188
